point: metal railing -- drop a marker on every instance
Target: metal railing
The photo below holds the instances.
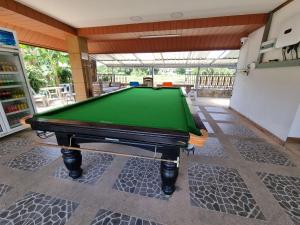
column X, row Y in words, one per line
column 222, row 82
column 211, row 81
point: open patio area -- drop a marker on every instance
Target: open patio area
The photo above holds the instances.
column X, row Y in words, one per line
column 149, row 112
column 240, row 177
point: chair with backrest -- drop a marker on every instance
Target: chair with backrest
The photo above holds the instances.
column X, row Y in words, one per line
column 134, row 84
column 167, row 84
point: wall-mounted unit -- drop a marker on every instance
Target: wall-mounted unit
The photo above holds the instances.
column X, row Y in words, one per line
column 289, row 33
column 267, row 46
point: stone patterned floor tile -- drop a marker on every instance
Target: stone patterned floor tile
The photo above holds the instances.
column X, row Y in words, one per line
column 208, row 128
column 237, row 130
column 4, row 189
column 107, row 217
column 34, row 159
column 93, row 165
column 223, row 117
column 240, row 202
column 229, row 177
column 38, row 209
column 13, row 145
column 212, row 148
column 286, row 191
column 261, row 152
column 221, row 189
column 142, row 177
column 215, row 109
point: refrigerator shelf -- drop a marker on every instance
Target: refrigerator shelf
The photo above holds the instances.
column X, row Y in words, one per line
column 9, row 73
column 13, row 99
column 15, row 112
column 11, row 86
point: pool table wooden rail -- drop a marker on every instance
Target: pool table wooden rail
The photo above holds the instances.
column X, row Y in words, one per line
column 135, row 134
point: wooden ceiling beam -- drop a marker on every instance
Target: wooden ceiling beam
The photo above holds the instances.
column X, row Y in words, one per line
column 259, row 19
column 281, row 6
column 28, row 12
column 203, row 43
column 37, row 39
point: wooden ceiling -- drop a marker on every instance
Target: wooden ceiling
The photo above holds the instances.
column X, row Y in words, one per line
column 195, row 34
column 34, row 28
column 216, row 33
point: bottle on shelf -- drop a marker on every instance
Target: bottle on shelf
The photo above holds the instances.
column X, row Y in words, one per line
column 8, row 67
column 5, row 94
column 14, row 107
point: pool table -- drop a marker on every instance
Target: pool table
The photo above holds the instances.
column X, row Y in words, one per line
column 156, row 119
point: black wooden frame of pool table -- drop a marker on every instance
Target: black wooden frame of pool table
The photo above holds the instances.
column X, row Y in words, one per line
column 73, row 133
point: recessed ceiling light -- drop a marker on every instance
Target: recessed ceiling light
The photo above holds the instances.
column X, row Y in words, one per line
column 160, row 36
column 176, row 15
column 136, row 18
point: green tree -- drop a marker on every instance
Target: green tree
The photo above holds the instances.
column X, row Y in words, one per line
column 36, row 78
column 64, row 75
column 102, row 69
column 47, row 62
column 181, row 71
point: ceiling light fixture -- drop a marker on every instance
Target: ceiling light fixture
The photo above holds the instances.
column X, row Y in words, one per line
column 176, row 15
column 160, row 36
column 136, row 18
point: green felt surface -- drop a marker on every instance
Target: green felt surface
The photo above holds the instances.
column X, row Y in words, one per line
column 144, row 107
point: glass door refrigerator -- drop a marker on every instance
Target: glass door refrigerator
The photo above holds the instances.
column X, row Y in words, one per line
column 15, row 95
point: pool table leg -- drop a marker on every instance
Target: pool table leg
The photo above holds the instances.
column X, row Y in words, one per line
column 72, row 158
column 169, row 172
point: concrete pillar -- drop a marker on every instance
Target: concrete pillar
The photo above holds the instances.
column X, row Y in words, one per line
column 80, row 66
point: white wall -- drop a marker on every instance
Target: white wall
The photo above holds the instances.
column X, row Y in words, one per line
column 268, row 97
column 295, row 128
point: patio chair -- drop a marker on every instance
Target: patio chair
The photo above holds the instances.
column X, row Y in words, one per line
column 134, row 84
column 39, row 98
column 66, row 91
column 167, row 84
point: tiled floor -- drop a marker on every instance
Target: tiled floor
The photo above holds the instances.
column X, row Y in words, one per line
column 221, row 189
column 239, row 177
column 142, row 177
column 109, row 217
column 36, row 208
column 212, row 148
column 93, row 165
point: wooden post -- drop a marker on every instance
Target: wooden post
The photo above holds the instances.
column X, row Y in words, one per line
column 197, row 83
column 93, row 70
column 152, row 76
column 80, row 66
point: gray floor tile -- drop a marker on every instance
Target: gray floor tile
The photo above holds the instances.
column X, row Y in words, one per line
column 208, row 127
column 212, row 148
column 13, row 145
column 39, row 209
column 93, row 165
column 201, row 115
column 223, row 117
column 215, row 109
column 261, row 152
column 286, row 190
column 237, row 130
column 107, row 217
column 142, row 177
column 4, row 189
column 221, row 189
column 34, row 159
